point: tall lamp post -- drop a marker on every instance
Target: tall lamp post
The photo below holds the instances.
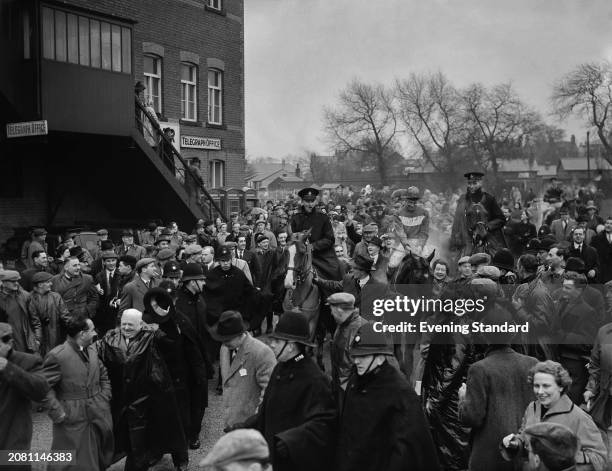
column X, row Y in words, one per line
column 588, row 157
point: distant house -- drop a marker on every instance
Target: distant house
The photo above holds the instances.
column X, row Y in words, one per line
column 268, row 177
column 578, row 169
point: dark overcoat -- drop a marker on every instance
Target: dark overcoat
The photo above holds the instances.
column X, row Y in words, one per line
column 21, row 382
column 298, row 408
column 79, row 293
column 226, row 290
column 383, row 426
column 497, row 394
column 146, row 417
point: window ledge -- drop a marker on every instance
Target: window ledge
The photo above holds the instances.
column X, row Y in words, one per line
column 216, row 126
column 221, row 12
column 188, row 122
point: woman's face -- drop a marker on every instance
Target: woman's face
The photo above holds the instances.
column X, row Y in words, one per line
column 524, row 217
column 66, row 254
column 546, row 389
column 223, row 227
column 440, row 272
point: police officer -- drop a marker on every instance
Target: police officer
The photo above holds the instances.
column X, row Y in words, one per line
column 322, row 236
column 478, row 222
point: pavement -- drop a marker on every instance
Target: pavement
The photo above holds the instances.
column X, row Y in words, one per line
column 212, row 429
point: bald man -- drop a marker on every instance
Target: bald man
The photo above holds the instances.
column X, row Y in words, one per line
column 147, row 422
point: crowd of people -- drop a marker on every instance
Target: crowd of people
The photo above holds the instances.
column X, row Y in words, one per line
column 117, row 343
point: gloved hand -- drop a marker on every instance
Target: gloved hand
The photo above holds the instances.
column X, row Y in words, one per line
column 282, row 450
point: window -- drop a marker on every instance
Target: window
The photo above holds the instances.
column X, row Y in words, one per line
column 188, row 92
column 77, row 39
column 215, row 106
column 152, row 76
column 217, row 174
column 214, row 4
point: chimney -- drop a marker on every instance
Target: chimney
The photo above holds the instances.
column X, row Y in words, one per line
column 283, row 164
column 297, row 170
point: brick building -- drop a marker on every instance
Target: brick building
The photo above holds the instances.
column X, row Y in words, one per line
column 95, row 157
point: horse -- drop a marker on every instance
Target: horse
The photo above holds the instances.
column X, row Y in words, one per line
column 301, row 293
column 411, row 277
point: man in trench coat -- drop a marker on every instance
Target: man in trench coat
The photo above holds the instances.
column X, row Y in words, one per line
column 79, row 399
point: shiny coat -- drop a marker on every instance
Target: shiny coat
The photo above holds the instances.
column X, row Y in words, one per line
column 79, row 293
column 26, row 326
column 383, row 427
column 52, row 312
column 21, row 382
column 81, row 392
column 298, row 409
column 146, row 416
column 496, row 396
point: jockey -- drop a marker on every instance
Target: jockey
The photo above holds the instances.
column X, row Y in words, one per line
column 322, row 236
column 478, row 220
column 415, row 221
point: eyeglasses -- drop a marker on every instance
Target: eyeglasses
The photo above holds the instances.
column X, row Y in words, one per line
column 6, row 338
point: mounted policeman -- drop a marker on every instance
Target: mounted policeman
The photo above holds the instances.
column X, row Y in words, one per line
column 478, row 222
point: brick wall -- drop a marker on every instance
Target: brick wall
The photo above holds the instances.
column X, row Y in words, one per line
column 188, row 26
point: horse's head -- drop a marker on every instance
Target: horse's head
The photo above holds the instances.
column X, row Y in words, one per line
column 414, row 269
column 300, row 260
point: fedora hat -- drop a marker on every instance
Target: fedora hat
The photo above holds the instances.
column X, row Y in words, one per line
column 229, row 326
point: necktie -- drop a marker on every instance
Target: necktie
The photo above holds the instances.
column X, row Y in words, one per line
column 241, row 255
column 233, row 354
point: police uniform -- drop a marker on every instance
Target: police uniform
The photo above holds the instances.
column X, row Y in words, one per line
column 322, row 237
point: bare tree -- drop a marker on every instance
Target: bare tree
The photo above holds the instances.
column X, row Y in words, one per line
column 586, row 91
column 430, row 109
column 497, row 121
column 364, row 120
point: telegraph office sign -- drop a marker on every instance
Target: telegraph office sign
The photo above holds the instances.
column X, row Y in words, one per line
column 195, row 142
column 27, row 128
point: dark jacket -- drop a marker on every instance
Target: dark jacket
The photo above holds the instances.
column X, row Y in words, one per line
column 600, row 377
column 253, row 263
column 79, row 293
column 496, row 397
column 604, row 254
column 322, row 238
column 27, row 332
column 146, row 416
column 298, row 409
column 383, row 427
column 106, row 316
column 225, row 290
column 132, row 294
column 589, row 257
column 364, row 297
column 52, row 312
column 21, row 382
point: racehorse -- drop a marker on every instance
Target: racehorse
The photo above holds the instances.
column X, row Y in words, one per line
column 411, row 277
column 301, row 293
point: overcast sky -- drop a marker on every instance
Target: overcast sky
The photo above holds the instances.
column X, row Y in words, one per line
column 300, row 53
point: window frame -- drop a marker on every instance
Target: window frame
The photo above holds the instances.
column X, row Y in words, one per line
column 212, row 173
column 152, row 77
column 211, row 90
column 186, row 85
column 211, row 5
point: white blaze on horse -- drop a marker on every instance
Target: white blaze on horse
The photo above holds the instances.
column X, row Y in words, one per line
column 302, row 294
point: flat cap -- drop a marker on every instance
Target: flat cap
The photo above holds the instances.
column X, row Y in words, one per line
column 39, row 232
column 480, row 259
column 376, row 241
column 9, row 275
column 106, row 254
column 370, row 228
column 41, row 277
column 143, row 262
column 464, row 259
column 488, row 271
column 557, row 439
column 194, row 249
column 165, row 254
column 191, row 238
column 162, row 238
column 238, row 445
column 261, row 237
column 231, row 245
column 102, row 232
column 127, row 233
column 342, row 300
